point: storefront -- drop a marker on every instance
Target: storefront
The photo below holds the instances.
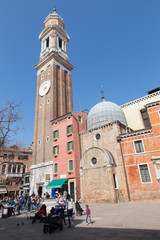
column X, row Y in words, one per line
column 59, row 185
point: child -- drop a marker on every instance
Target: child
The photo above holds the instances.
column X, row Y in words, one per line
column 88, row 214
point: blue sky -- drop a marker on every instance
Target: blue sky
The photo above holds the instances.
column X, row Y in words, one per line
column 114, row 43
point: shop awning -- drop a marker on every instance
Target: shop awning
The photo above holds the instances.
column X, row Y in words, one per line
column 3, row 190
column 56, row 183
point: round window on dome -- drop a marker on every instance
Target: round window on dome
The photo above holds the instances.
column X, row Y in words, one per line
column 97, row 136
column 94, row 161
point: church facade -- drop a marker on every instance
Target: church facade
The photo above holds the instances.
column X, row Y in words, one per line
column 117, row 162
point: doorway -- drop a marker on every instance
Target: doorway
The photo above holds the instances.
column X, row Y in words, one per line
column 40, row 191
column 72, row 190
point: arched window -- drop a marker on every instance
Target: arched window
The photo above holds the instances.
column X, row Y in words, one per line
column 3, row 168
column 14, row 169
column 19, row 169
column 24, row 168
column 9, row 168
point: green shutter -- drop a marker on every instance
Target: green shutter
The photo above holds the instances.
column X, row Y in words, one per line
column 55, row 167
column 57, row 133
column 72, row 145
column 67, row 130
column 54, row 135
column 71, row 165
column 67, row 146
column 58, row 149
column 72, row 128
column 53, row 150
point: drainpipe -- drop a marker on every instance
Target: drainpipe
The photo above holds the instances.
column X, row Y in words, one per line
column 129, row 196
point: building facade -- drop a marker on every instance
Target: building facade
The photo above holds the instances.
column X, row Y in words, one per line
column 67, row 151
column 53, row 96
column 15, row 164
column 141, row 154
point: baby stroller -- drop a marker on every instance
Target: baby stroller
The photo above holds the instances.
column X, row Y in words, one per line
column 79, row 210
column 40, row 215
column 54, row 220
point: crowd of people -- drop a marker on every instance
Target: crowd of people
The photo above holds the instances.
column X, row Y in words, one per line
column 34, row 202
column 23, row 203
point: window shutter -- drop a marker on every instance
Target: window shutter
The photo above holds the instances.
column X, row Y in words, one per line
column 67, row 146
column 58, row 149
column 67, row 130
column 72, row 128
column 57, row 133
column 72, row 145
column 71, row 165
column 54, row 135
column 53, row 150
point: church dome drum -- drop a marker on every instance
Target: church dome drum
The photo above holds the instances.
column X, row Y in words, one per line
column 103, row 113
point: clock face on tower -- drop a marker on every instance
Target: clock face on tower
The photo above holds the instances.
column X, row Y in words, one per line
column 44, row 88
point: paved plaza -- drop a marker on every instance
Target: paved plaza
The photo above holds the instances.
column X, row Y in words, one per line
column 130, row 220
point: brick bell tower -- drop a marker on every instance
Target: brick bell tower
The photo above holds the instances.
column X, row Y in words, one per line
column 53, row 96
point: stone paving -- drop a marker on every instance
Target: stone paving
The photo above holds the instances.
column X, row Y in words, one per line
column 130, row 220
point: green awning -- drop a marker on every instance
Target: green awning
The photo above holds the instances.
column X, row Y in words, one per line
column 56, row 183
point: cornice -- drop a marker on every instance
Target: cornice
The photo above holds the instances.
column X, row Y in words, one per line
column 41, row 165
column 50, row 27
column 152, row 104
column 103, row 126
column 57, row 60
column 140, row 99
column 135, row 133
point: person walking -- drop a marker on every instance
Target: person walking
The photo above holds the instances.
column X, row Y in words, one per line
column 88, row 215
column 29, row 204
column 69, row 204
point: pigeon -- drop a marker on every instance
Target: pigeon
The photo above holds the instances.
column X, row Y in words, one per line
column 22, row 223
column 17, row 224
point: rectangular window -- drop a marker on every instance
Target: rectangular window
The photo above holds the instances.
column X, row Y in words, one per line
column 56, row 168
column 5, row 156
column 79, row 119
column 26, row 180
column 11, row 156
column 145, row 118
column 69, row 129
column 115, row 181
column 139, row 146
column 70, row 146
column 145, row 176
column 56, row 150
column 22, row 157
column 55, row 134
column 70, row 165
column 159, row 113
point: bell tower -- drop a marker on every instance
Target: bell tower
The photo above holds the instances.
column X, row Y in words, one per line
column 53, row 96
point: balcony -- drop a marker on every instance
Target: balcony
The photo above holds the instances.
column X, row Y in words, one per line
column 13, row 175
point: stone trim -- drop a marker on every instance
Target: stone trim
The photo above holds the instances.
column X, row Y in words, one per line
column 103, row 126
column 135, row 133
column 109, row 156
column 55, row 63
column 141, row 99
column 152, row 104
column 41, row 165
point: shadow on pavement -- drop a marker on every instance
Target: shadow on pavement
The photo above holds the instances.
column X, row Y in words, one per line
column 20, row 227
